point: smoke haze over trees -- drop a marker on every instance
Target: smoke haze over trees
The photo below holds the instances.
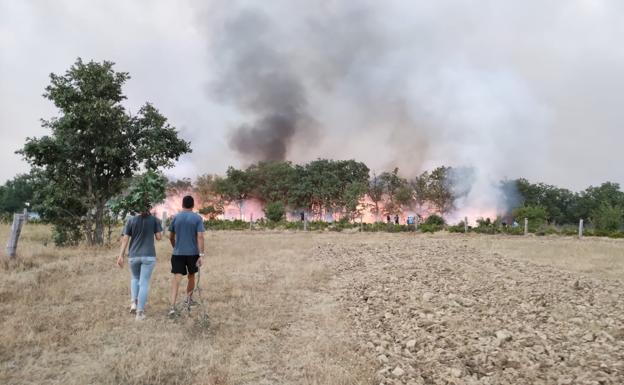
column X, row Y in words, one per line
column 512, row 89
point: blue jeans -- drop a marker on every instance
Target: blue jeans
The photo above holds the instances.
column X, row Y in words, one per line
column 141, row 269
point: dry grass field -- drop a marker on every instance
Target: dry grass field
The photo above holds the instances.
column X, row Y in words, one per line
column 323, row 308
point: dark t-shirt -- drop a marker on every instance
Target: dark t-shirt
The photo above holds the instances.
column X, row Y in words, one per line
column 141, row 231
column 186, row 225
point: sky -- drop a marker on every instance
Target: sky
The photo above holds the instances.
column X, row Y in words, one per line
column 513, row 89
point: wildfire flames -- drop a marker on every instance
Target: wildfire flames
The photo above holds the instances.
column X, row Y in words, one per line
column 253, row 209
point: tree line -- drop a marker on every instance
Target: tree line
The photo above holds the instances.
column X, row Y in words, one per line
column 341, row 186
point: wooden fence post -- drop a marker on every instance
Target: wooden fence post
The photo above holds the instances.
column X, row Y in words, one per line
column 465, row 225
column 16, row 229
column 526, row 226
column 580, row 231
column 251, row 222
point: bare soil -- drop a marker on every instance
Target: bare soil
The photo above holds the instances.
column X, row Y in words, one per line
column 323, row 308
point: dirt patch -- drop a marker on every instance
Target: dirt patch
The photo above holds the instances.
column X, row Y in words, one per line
column 436, row 311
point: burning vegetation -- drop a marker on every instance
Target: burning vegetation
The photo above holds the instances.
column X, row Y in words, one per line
column 346, row 190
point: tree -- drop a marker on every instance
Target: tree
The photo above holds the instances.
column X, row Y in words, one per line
column 235, row 187
column 607, row 217
column 396, row 190
column 16, row 194
column 352, row 197
column 96, row 146
column 375, row 193
column 179, row 186
column 145, row 191
column 272, row 181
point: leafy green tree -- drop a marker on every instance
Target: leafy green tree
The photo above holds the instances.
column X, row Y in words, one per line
column 272, row 181
column 557, row 202
column 16, row 194
column 607, row 217
column 95, row 146
column 352, row 197
column 274, row 211
column 179, row 186
column 536, row 215
column 145, row 191
column 592, row 198
column 393, row 183
column 235, row 187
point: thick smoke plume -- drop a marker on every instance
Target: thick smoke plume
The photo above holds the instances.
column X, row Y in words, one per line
column 396, row 83
column 259, row 80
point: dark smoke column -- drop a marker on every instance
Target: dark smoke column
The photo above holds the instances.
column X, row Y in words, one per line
column 257, row 78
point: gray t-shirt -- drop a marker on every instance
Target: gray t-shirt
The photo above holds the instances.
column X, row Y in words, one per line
column 141, row 231
column 186, row 225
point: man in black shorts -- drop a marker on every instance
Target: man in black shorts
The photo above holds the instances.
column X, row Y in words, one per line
column 186, row 233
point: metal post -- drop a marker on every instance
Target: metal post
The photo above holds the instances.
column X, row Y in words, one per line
column 466, row 225
column 580, row 231
column 25, row 214
column 305, row 221
column 164, row 222
column 16, row 229
column 526, row 226
column 361, row 223
column 251, row 222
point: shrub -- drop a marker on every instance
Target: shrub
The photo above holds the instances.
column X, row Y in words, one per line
column 430, row 228
column 218, row 224
column 434, row 219
column 274, row 211
column 535, row 214
column 458, row 228
column 607, row 217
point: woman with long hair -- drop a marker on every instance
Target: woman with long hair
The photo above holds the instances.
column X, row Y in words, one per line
column 139, row 233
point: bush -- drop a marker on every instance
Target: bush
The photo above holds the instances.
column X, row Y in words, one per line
column 430, row 228
column 535, row 214
column 434, row 219
column 458, row 228
column 607, row 217
column 218, row 224
column 274, row 211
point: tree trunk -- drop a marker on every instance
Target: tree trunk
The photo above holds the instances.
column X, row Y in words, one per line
column 98, row 233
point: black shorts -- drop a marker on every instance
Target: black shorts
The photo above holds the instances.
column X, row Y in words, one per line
column 180, row 264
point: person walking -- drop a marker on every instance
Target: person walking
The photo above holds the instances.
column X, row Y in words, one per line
column 186, row 234
column 139, row 233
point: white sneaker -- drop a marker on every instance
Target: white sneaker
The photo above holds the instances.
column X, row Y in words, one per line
column 140, row 316
column 133, row 307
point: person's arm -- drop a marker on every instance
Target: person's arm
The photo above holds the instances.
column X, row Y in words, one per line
column 122, row 250
column 200, row 246
column 158, row 230
column 172, row 238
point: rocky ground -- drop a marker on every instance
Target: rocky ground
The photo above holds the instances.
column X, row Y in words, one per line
column 437, row 311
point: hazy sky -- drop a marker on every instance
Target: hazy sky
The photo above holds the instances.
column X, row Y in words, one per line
column 531, row 88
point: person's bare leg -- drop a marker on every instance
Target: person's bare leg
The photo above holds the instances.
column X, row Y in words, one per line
column 175, row 284
column 190, row 286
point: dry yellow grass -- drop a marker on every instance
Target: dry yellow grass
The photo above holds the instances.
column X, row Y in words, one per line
column 64, row 318
column 274, row 315
column 597, row 257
